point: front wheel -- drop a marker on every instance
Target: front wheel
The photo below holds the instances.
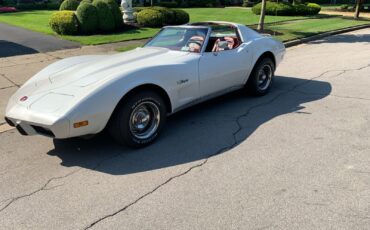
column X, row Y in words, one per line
column 260, row 80
column 139, row 119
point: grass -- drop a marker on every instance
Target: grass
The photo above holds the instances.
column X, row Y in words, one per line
column 305, row 28
column 238, row 15
column 288, row 27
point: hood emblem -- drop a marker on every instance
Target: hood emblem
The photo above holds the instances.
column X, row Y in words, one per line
column 24, row 98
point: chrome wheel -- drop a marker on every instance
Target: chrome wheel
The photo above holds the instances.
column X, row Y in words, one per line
column 144, row 120
column 264, row 77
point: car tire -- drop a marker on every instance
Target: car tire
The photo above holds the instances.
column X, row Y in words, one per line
column 139, row 119
column 260, row 80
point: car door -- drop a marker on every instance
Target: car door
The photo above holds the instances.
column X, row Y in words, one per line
column 223, row 70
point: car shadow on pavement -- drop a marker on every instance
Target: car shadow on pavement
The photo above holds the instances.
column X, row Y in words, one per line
column 8, row 49
column 196, row 133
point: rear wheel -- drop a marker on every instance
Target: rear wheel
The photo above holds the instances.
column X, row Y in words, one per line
column 260, row 80
column 138, row 121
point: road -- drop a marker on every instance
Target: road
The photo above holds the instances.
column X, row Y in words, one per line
column 18, row 41
column 298, row 158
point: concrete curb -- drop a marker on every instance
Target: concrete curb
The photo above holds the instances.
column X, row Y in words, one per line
column 322, row 35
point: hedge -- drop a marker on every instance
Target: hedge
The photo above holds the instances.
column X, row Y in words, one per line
column 69, row 5
column 181, row 17
column 105, row 15
column 64, row 22
column 162, row 16
column 150, row 18
column 87, row 16
column 117, row 13
column 286, row 9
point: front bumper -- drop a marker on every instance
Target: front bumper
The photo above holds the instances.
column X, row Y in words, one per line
column 58, row 130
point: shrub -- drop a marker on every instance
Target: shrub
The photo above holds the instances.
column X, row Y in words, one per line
column 273, row 8
column 169, row 14
column 150, row 18
column 139, row 8
column 313, row 8
column 286, row 9
column 87, row 16
column 64, row 22
column 181, row 17
column 106, row 18
column 116, row 11
column 69, row 5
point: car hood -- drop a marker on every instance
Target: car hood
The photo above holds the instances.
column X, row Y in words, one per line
column 87, row 70
column 70, row 76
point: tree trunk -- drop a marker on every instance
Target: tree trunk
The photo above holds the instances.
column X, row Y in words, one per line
column 262, row 16
column 358, row 7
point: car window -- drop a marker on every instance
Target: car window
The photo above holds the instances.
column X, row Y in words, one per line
column 223, row 37
column 181, row 39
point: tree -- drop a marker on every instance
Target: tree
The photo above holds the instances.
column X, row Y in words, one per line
column 358, row 7
column 262, row 15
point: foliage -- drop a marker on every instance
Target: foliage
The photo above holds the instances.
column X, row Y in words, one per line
column 69, row 5
column 117, row 13
column 64, row 22
column 170, row 16
column 273, row 8
column 286, row 9
column 181, row 17
column 105, row 15
column 87, row 16
column 313, row 8
column 150, row 18
column 86, row 1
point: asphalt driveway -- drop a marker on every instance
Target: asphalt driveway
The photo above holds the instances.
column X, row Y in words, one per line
column 298, row 158
column 18, row 41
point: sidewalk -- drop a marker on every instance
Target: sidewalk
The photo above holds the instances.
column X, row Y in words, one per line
column 346, row 14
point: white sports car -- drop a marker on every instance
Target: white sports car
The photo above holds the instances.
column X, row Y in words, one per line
column 132, row 93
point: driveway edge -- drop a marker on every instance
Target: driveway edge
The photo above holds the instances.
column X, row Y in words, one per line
column 322, row 35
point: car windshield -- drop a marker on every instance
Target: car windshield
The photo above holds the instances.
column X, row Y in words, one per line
column 178, row 38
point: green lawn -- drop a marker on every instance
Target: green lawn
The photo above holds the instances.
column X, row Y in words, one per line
column 305, row 28
column 290, row 26
column 238, row 15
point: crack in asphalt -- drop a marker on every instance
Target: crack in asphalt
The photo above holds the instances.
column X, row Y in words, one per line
column 43, row 188
column 235, row 143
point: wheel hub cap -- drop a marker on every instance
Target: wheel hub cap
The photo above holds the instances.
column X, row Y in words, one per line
column 264, row 77
column 144, row 120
